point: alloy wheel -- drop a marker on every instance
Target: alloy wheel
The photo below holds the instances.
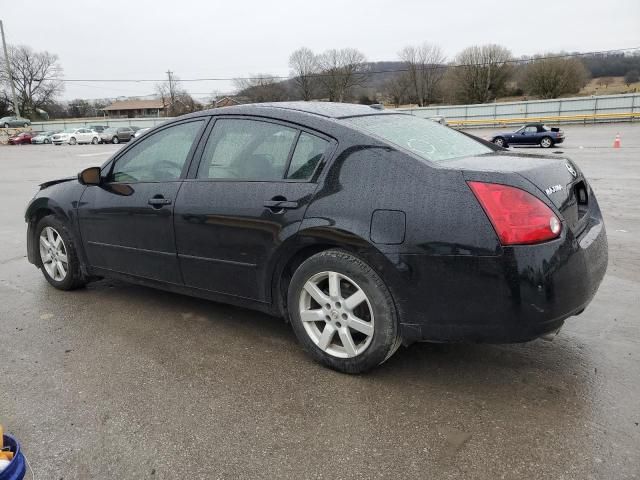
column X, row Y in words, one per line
column 336, row 314
column 545, row 143
column 53, row 254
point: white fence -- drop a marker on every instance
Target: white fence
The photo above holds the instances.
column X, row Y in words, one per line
column 603, row 108
column 110, row 122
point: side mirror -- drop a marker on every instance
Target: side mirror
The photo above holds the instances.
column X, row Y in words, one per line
column 90, row 176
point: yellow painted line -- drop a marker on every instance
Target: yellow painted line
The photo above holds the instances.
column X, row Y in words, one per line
column 555, row 118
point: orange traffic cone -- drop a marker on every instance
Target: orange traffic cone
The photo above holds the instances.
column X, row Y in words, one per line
column 616, row 142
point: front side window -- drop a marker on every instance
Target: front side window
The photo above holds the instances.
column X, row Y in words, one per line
column 159, row 157
column 531, row 129
column 308, row 153
column 425, row 138
column 247, row 150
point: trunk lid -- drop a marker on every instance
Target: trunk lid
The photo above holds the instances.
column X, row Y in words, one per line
column 557, row 178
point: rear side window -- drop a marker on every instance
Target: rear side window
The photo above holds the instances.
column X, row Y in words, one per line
column 425, row 138
column 308, row 153
column 247, row 150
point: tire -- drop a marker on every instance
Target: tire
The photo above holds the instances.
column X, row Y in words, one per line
column 50, row 227
column 6, row 125
column 94, row 141
column 115, row 140
column 26, row 125
column 370, row 325
column 499, row 141
column 546, row 142
column 46, row 140
column 72, row 141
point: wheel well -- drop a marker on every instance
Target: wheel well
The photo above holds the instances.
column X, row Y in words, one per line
column 286, row 273
column 33, row 221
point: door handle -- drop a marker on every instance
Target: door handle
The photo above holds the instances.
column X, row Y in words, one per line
column 158, row 201
column 280, row 204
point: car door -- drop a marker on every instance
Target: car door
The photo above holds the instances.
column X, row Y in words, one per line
column 253, row 184
column 126, row 223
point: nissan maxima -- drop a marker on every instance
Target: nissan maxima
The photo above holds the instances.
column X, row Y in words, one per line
column 365, row 229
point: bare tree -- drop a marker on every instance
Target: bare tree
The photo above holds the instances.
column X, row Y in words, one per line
column 340, row 70
column 397, row 88
column 552, row 77
column 174, row 97
column 36, row 76
column 261, row 87
column 481, row 73
column 425, row 70
column 304, row 67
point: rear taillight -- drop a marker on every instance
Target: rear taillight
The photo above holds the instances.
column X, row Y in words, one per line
column 517, row 216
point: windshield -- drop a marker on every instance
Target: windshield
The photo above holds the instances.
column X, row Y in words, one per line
column 109, row 130
column 425, row 138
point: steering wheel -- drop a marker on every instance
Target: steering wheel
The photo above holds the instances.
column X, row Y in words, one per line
column 169, row 167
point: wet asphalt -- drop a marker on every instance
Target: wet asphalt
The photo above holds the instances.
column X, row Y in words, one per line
column 121, row 381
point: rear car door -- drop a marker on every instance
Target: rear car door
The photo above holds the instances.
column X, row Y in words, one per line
column 126, row 223
column 253, row 184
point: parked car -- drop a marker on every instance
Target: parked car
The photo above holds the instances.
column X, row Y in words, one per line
column 98, row 128
column 75, row 135
column 530, row 134
column 117, row 135
column 366, row 229
column 21, row 138
column 134, row 128
column 7, row 122
column 141, row 131
column 44, row 137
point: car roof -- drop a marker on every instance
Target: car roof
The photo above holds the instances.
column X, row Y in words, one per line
column 331, row 110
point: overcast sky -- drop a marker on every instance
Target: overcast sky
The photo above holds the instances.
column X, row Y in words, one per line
column 142, row 39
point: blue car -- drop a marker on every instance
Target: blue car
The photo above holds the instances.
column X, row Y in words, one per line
column 530, row 134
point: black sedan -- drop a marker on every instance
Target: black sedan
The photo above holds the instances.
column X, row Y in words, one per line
column 365, row 229
column 530, row 134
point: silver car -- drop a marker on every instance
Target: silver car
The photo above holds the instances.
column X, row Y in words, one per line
column 14, row 121
column 44, row 137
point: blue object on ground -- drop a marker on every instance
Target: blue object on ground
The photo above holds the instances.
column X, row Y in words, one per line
column 17, row 468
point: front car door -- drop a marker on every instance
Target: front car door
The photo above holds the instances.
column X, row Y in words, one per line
column 126, row 223
column 251, row 189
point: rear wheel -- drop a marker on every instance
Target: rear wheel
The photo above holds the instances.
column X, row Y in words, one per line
column 6, row 125
column 546, row 142
column 342, row 312
column 46, row 140
column 58, row 255
column 25, row 125
column 94, row 141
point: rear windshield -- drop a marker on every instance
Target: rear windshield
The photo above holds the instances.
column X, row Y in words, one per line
column 425, row 138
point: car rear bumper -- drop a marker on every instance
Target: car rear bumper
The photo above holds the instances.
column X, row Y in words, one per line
column 558, row 140
column 520, row 295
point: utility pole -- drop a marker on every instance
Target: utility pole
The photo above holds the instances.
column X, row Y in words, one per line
column 171, row 92
column 16, row 109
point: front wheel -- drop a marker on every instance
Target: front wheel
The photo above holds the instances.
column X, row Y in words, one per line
column 342, row 312
column 25, row 125
column 94, row 141
column 6, row 125
column 546, row 142
column 72, row 141
column 58, row 256
column 115, row 140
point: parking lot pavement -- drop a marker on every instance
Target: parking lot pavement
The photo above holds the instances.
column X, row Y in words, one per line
column 120, row 381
